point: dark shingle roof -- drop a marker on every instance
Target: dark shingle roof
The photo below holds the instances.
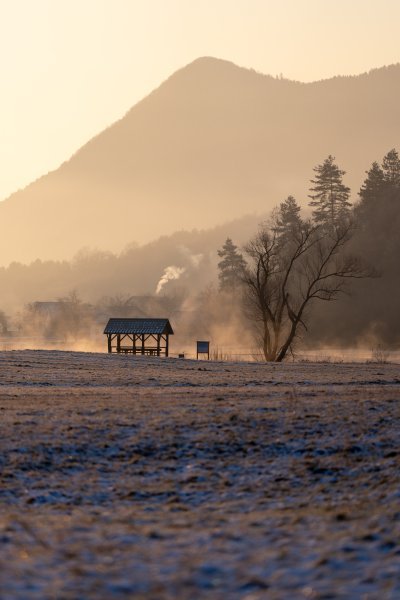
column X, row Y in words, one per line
column 158, row 326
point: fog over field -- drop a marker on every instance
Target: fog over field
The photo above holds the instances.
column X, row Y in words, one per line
column 66, row 304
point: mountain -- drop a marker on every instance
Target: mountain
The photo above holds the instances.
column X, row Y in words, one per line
column 212, row 143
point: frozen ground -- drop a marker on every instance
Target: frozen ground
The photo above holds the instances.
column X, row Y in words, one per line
column 126, row 477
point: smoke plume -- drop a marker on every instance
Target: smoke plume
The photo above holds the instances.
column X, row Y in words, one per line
column 170, row 273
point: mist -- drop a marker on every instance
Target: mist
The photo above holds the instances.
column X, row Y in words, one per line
column 65, row 304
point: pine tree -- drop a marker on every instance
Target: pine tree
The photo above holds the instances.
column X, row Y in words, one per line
column 288, row 217
column 381, row 183
column 230, row 267
column 391, row 168
column 329, row 196
column 372, row 191
column 374, row 184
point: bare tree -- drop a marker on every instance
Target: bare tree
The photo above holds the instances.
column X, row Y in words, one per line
column 285, row 275
column 121, row 305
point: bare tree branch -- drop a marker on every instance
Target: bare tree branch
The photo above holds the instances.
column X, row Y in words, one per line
column 287, row 271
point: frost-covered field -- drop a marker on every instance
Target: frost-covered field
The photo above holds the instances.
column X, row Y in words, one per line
column 126, row 477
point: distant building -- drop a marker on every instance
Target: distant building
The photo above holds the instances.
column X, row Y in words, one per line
column 47, row 308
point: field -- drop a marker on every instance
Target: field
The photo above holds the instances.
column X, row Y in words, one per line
column 132, row 477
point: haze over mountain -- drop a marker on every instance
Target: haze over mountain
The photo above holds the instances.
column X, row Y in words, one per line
column 212, row 143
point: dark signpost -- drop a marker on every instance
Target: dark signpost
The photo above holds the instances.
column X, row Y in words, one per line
column 203, row 348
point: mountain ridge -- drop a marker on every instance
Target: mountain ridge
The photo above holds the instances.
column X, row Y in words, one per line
column 212, row 142
column 201, row 59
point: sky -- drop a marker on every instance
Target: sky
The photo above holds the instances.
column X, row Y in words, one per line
column 70, row 68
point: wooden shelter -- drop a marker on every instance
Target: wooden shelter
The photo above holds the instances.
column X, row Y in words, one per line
column 138, row 336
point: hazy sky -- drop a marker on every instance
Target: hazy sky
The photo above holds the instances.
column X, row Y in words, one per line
column 69, row 68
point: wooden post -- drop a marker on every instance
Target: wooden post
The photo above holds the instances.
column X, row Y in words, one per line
column 166, row 344
column 142, row 343
column 109, row 342
column 158, row 344
column 118, row 342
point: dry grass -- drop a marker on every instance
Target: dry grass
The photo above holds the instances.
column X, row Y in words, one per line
column 125, row 477
column 380, row 354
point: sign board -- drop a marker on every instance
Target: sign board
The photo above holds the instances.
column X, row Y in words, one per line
column 203, row 348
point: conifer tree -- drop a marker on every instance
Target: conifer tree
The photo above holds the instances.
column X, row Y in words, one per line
column 287, row 217
column 391, row 168
column 374, row 184
column 380, row 184
column 230, row 267
column 372, row 191
column 329, row 196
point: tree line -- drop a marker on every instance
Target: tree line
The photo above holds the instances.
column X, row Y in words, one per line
column 295, row 262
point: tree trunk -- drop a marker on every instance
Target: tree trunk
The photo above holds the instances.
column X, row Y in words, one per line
column 289, row 340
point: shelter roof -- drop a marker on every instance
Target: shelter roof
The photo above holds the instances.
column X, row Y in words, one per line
column 138, row 326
